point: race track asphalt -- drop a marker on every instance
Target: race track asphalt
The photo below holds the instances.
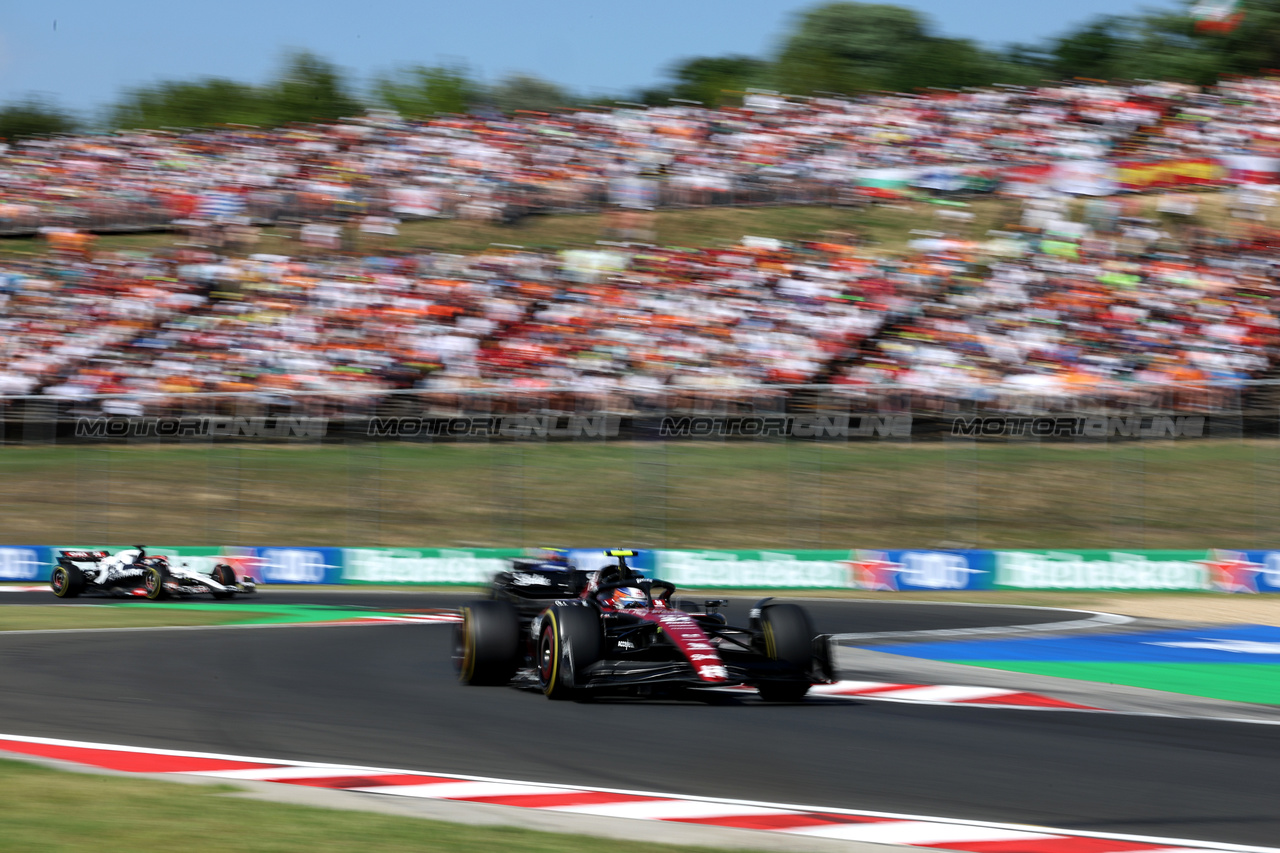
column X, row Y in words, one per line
column 386, row 696
column 830, row 616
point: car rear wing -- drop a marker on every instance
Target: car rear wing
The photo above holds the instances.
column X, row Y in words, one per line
column 84, row 556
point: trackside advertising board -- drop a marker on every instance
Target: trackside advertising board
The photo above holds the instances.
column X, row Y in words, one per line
column 796, row 569
column 425, row 565
column 25, row 563
column 1101, row 570
column 288, row 564
column 896, row 570
column 906, row 570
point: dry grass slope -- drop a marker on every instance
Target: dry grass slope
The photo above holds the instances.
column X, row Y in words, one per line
column 680, row 494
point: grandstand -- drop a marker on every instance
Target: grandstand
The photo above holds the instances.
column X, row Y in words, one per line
column 1099, row 307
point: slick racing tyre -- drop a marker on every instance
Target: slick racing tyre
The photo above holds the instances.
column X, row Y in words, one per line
column 67, row 582
column 153, row 578
column 486, row 645
column 225, row 575
column 787, row 635
column 568, row 643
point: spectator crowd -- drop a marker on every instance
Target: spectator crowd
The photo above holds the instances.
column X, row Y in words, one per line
column 1058, row 310
column 382, row 164
column 1061, row 310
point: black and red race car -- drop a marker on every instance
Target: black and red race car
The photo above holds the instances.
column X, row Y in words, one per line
column 575, row 634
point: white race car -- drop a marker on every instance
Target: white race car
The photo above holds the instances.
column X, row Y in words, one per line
column 134, row 574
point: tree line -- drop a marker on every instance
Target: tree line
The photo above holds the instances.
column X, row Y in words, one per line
column 841, row 48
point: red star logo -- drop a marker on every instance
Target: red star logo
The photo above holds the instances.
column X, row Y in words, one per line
column 1229, row 571
column 872, row 571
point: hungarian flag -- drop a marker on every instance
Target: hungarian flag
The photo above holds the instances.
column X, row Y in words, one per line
column 1216, row 16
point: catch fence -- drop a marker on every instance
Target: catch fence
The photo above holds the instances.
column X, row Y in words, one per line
column 1187, row 466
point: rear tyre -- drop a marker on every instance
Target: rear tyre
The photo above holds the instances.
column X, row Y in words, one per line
column 225, row 575
column 66, row 581
column 569, row 642
column 153, row 579
column 787, row 635
column 486, row 645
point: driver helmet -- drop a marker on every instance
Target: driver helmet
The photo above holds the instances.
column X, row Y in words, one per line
column 627, row 596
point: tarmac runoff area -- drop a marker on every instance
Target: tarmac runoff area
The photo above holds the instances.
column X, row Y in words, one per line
column 318, row 688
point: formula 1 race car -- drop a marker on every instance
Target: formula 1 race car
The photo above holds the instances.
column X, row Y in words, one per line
column 574, row 635
column 134, row 574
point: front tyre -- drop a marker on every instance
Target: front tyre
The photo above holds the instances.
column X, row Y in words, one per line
column 226, row 576
column 486, row 644
column 153, row 579
column 569, row 642
column 67, row 581
column 787, row 635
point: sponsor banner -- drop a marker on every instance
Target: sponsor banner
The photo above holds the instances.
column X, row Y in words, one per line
column 291, row 565
column 1243, row 571
column 906, row 571
column 753, row 569
column 903, row 570
column 1101, row 570
column 425, row 565
column 887, row 571
column 25, row 562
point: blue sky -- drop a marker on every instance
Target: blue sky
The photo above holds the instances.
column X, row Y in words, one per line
column 82, row 53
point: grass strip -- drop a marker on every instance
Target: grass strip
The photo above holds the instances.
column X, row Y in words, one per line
column 50, row 810
column 1195, row 494
column 38, row 617
column 137, row 614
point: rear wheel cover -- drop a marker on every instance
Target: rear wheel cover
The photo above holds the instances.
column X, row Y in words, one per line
column 548, row 659
column 464, row 656
column 153, row 582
